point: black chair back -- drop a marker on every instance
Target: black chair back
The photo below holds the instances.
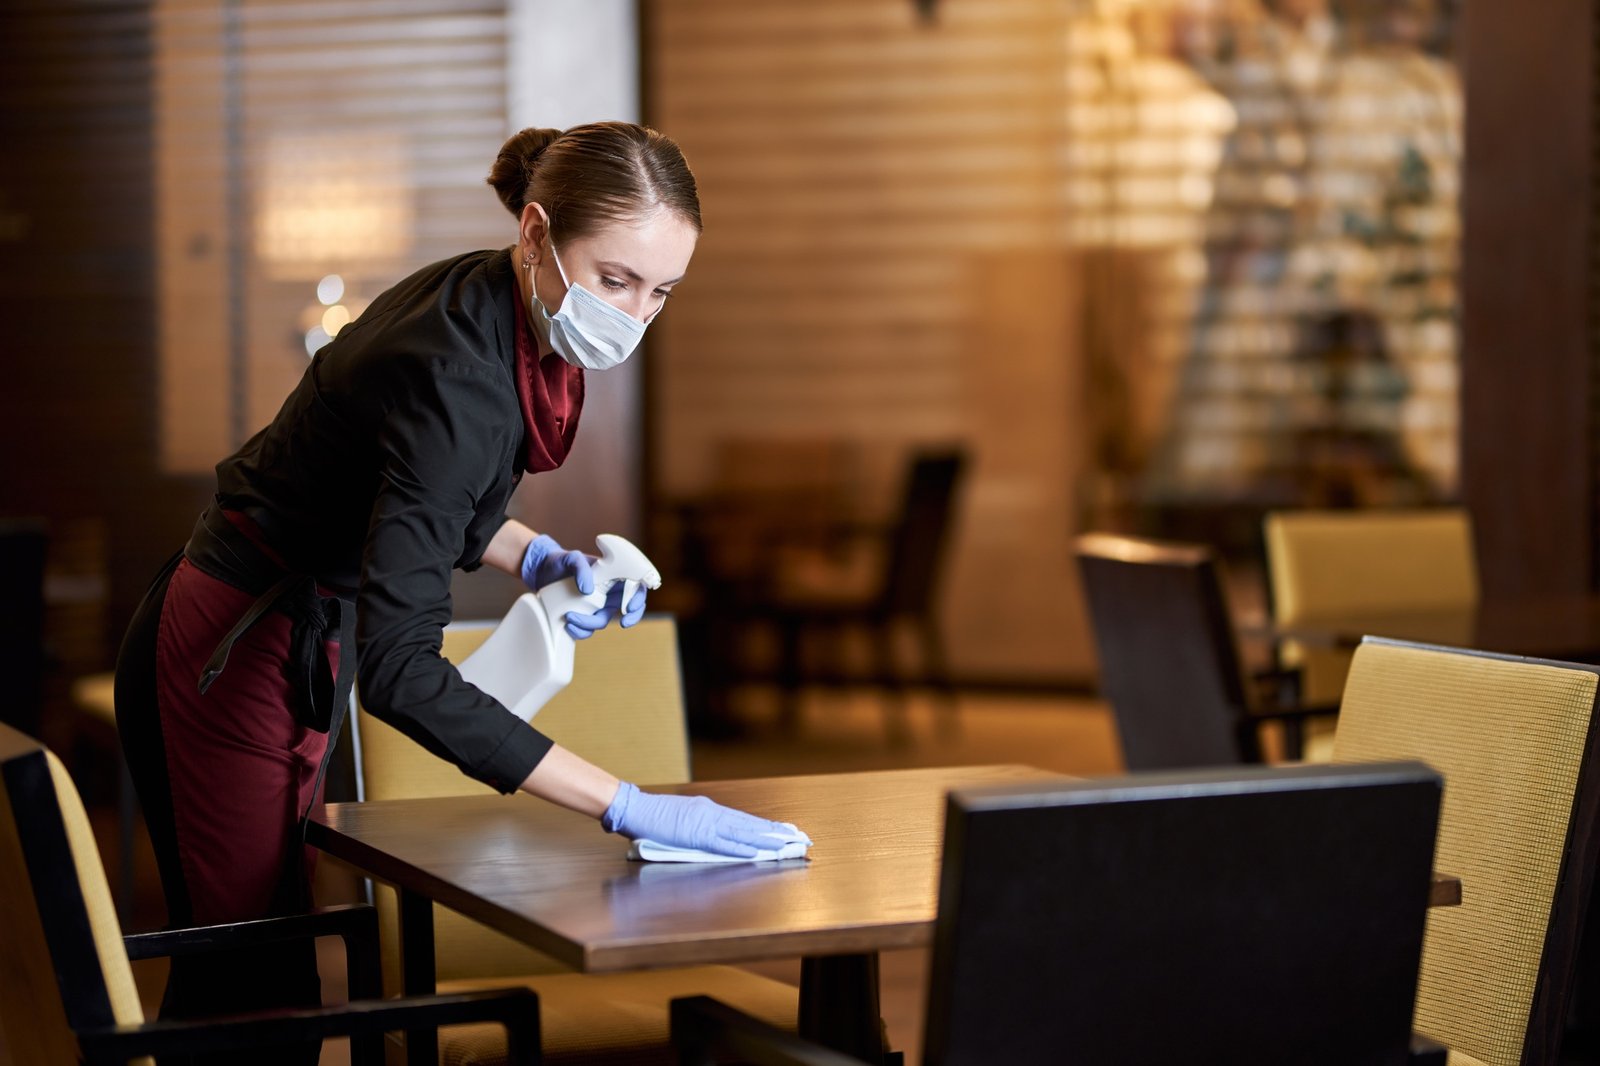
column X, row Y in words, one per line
column 1250, row 916
column 1169, row 664
column 56, row 980
column 922, row 532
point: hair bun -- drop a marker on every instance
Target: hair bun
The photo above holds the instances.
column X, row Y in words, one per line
column 513, row 167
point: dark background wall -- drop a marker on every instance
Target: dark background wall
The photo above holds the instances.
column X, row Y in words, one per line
column 78, row 402
column 1528, row 363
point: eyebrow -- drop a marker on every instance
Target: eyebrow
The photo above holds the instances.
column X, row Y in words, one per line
column 613, row 267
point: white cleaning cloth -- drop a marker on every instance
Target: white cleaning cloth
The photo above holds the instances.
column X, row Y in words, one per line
column 651, row 851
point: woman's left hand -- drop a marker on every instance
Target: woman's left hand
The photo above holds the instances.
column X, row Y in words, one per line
column 545, row 562
column 584, row 626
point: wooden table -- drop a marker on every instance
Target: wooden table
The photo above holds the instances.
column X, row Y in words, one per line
column 1546, row 627
column 552, row 879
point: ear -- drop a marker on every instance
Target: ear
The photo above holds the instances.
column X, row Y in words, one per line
column 532, row 229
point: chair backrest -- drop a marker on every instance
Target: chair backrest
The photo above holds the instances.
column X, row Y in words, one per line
column 922, row 532
column 622, row 711
column 1247, row 915
column 1169, row 663
column 63, row 966
column 1330, row 563
column 1514, row 739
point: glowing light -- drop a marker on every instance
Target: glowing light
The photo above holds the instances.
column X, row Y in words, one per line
column 335, row 318
column 316, row 337
column 330, row 289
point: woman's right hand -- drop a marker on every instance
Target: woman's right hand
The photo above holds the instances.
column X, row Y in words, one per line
column 696, row 822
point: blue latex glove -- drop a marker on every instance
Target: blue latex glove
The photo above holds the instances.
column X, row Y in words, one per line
column 692, row 822
column 591, row 624
column 546, row 562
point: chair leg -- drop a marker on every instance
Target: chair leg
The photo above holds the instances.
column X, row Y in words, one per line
column 938, row 675
column 1294, row 739
column 127, row 817
column 896, row 720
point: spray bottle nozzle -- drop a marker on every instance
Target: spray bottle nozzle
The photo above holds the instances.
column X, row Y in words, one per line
column 529, row 656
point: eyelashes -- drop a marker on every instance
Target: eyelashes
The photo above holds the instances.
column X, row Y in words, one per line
column 618, row 285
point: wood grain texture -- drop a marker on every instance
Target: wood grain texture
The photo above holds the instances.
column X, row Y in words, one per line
column 1528, row 367
column 553, row 879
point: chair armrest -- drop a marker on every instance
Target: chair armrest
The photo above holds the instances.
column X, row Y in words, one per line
column 1426, row 1052
column 355, row 923
column 704, row 1029
column 515, row 1008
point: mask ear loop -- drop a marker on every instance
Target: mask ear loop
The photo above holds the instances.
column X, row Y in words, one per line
column 533, row 290
column 559, row 268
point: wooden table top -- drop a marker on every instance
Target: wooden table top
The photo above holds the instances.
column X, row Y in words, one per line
column 552, row 879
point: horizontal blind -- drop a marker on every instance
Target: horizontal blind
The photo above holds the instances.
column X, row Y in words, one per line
column 848, row 156
column 298, row 140
column 1141, row 258
column 883, row 265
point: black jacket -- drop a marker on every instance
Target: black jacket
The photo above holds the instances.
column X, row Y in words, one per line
column 390, row 465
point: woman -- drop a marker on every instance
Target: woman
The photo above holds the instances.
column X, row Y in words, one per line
column 390, row 465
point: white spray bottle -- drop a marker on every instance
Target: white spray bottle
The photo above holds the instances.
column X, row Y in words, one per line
column 528, row 657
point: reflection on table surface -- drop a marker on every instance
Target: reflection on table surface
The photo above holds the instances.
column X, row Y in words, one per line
column 549, row 877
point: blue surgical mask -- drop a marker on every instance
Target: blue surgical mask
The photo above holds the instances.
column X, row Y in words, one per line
column 587, row 331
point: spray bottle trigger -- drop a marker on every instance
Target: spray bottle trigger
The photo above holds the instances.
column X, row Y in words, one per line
column 629, row 587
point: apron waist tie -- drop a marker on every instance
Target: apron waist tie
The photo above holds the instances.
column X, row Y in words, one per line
column 321, row 694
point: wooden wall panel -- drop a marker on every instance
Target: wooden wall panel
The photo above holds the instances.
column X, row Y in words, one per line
column 1529, row 368
column 885, row 263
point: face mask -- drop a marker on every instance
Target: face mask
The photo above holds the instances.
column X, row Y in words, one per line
column 587, row 331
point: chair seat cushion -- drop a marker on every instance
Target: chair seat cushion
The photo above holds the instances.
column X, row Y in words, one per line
column 615, row 1019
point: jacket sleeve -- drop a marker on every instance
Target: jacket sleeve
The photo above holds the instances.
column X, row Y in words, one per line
column 441, row 452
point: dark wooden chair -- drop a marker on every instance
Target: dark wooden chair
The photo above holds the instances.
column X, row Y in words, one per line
column 905, row 594
column 1250, row 915
column 1169, row 658
column 67, row 992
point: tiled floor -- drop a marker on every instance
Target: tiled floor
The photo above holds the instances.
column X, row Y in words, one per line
column 840, row 731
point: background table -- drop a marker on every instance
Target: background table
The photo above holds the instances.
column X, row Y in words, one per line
column 1546, row 627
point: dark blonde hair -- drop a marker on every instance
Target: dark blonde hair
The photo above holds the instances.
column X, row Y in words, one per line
column 591, row 175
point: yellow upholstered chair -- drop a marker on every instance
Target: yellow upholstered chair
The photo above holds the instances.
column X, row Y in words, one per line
column 1327, row 564
column 623, row 711
column 1514, row 739
column 95, row 695
column 67, row 992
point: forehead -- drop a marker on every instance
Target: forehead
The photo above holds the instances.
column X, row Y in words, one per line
column 659, row 239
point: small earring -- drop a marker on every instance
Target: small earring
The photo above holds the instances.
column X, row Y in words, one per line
column 527, row 261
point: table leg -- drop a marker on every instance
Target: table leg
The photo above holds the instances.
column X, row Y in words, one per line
column 417, row 973
column 839, row 1004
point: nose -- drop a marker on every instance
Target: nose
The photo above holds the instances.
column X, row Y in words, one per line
column 646, row 307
